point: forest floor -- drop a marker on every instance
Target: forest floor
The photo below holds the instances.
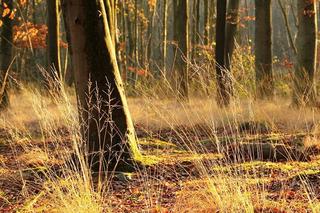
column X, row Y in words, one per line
column 204, row 160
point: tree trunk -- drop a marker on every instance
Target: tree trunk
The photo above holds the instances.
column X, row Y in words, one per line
column 287, row 25
column 263, row 50
column 110, row 10
column 223, row 76
column 212, row 20
column 6, row 53
column 107, row 126
column 54, row 67
column 123, row 41
column 304, row 81
column 206, row 22
column 69, row 73
column 152, row 45
column 195, row 28
column 136, row 43
column 181, row 23
column 131, row 34
column 165, row 36
column 232, row 25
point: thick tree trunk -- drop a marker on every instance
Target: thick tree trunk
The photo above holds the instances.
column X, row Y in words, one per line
column 5, row 53
column 263, row 50
column 232, row 25
column 107, row 126
column 181, row 22
column 304, row 81
column 224, row 84
column 54, row 64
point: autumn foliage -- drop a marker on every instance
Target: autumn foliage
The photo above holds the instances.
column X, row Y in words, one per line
column 32, row 35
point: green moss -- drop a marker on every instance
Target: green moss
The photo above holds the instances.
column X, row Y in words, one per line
column 156, row 143
column 153, row 153
column 148, row 160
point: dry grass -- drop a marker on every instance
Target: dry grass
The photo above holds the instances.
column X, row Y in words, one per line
column 163, row 113
column 41, row 132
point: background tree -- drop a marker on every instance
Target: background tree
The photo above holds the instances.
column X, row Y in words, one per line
column 6, row 49
column 306, row 43
column 181, row 37
column 68, row 73
column 206, row 17
column 232, row 24
column 165, row 36
column 223, row 77
column 108, row 129
column 53, row 38
column 263, row 50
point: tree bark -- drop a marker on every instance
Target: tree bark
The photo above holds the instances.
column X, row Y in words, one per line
column 206, row 22
column 110, row 10
column 69, row 73
column 232, row 25
column 223, row 76
column 107, row 128
column 6, row 53
column 165, row 36
column 181, row 22
column 304, row 80
column 288, row 29
column 54, row 64
column 263, row 50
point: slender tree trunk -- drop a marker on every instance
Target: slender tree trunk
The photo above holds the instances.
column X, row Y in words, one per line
column 195, row 28
column 151, row 34
column 136, row 42
column 108, row 129
column 34, row 19
column 223, row 77
column 212, row 20
column 165, row 36
column 131, row 33
column 181, row 38
column 304, row 75
column 53, row 39
column 287, row 24
column 197, row 24
column 5, row 53
column 69, row 73
column 263, row 50
column 109, row 4
column 124, row 42
column 232, row 25
column 206, row 22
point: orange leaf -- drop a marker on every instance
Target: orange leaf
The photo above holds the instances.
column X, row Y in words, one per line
column 12, row 15
column 6, row 11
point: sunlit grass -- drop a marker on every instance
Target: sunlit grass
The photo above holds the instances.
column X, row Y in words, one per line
column 43, row 131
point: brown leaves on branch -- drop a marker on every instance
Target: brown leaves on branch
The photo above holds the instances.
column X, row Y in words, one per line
column 29, row 35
